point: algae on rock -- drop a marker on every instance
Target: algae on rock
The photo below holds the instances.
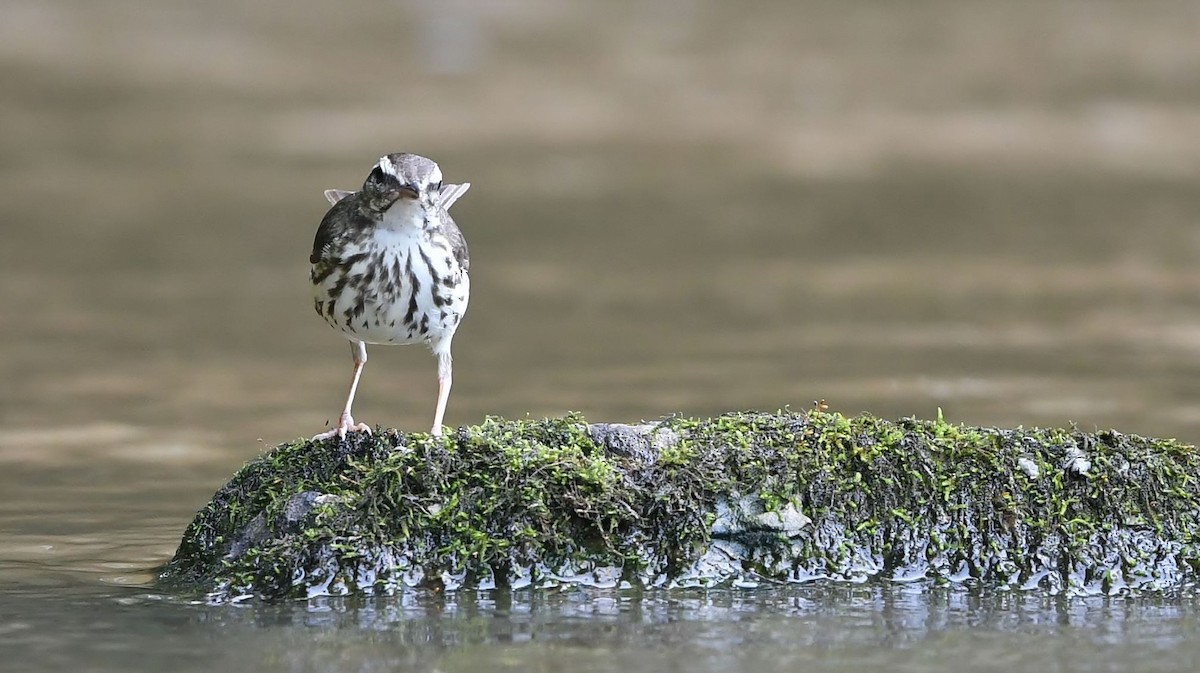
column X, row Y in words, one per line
column 744, row 497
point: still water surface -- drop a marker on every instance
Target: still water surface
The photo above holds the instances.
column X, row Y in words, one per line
column 678, row 207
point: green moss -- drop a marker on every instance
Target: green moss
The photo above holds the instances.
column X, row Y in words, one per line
column 522, row 501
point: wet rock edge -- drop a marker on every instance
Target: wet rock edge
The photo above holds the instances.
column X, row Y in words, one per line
column 743, row 498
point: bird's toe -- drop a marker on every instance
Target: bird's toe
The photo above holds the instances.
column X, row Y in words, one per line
column 347, row 425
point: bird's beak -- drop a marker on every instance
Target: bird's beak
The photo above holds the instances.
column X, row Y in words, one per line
column 396, row 193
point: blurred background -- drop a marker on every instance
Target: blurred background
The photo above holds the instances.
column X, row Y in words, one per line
column 678, row 206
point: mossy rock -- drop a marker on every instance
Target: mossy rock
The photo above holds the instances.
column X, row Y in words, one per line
column 742, row 498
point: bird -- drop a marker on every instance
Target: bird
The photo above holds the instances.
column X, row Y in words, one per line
column 390, row 266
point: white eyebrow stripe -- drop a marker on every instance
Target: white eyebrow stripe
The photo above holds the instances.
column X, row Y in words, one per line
column 387, row 167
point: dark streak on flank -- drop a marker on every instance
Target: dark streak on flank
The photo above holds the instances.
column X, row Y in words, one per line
column 412, row 309
column 397, row 272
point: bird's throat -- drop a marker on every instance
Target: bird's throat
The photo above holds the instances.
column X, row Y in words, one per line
column 405, row 214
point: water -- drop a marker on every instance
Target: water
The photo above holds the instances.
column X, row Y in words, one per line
column 834, row 629
column 678, row 206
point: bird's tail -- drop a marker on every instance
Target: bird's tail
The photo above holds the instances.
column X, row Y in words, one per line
column 451, row 193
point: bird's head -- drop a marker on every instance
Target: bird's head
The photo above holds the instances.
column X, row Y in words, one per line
column 402, row 178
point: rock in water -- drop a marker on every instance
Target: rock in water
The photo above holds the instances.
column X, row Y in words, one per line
column 742, row 498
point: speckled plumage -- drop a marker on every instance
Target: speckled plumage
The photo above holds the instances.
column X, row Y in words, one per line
column 389, row 266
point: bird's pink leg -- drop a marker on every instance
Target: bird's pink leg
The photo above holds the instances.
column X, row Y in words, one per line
column 358, row 351
column 445, row 364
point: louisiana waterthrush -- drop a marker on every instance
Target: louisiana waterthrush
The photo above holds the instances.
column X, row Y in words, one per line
column 389, row 266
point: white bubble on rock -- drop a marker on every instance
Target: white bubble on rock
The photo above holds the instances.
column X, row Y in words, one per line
column 1077, row 461
column 787, row 520
column 746, row 513
column 1029, row 467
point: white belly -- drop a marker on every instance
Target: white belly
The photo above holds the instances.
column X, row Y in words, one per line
column 393, row 294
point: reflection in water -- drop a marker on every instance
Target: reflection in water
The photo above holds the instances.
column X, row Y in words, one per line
column 834, row 628
column 678, row 206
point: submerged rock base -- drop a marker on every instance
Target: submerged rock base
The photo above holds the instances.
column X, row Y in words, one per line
column 742, row 498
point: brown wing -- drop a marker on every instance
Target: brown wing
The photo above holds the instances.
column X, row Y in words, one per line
column 458, row 244
column 340, row 221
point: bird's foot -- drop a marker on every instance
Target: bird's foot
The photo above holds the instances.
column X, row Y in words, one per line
column 345, row 425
